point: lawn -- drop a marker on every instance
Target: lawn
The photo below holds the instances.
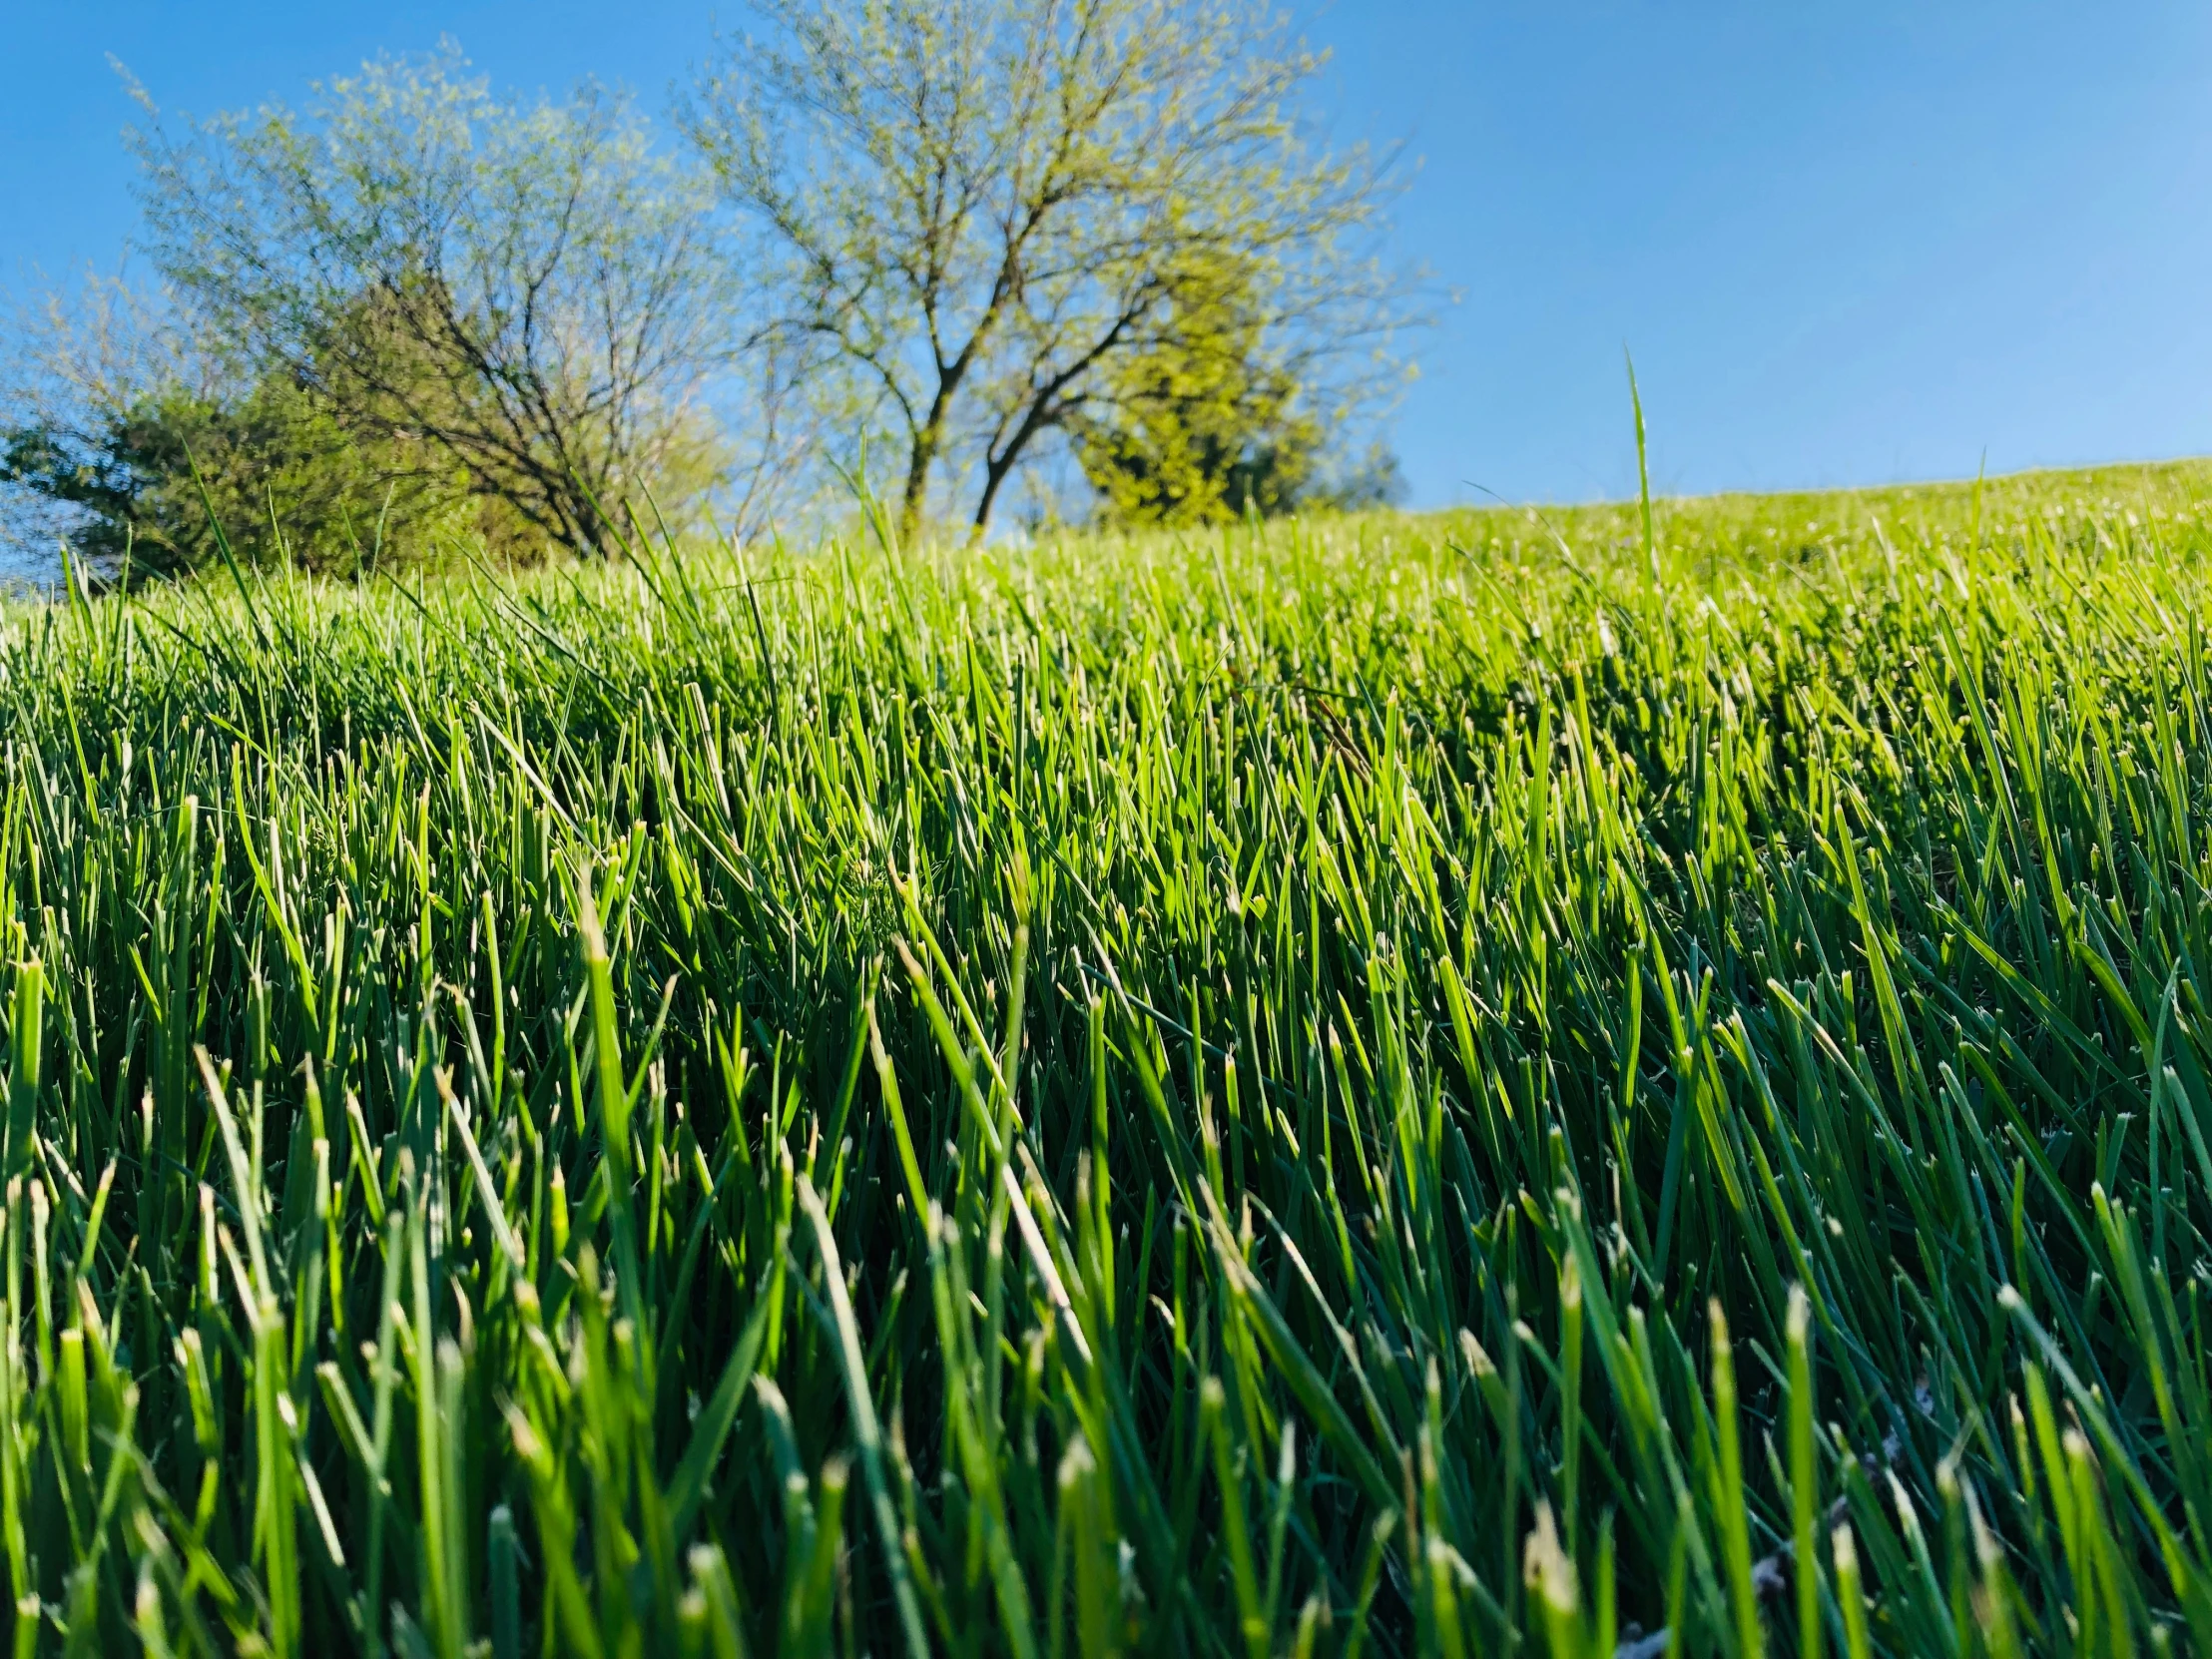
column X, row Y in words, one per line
column 1382, row 1086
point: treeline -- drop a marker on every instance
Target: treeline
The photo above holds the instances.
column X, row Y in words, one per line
column 1060, row 258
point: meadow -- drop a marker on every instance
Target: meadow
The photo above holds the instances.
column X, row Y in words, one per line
column 1487, row 1082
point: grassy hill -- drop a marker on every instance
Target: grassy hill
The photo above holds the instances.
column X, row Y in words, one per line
column 1367, row 1087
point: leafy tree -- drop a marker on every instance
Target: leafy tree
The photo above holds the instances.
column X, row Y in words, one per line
column 1204, row 426
column 982, row 210
column 148, row 446
column 273, row 471
column 1188, row 460
column 148, row 440
column 525, row 294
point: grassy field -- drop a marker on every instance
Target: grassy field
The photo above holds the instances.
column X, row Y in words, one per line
column 1405, row 1086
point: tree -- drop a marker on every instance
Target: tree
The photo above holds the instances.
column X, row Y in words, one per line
column 1190, row 450
column 143, row 442
column 526, row 293
column 980, row 208
column 156, row 483
column 1214, row 424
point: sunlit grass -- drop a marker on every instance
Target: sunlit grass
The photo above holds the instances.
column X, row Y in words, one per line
column 1383, row 1086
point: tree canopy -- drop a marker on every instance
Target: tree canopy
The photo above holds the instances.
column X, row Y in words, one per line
column 995, row 232
column 159, row 444
column 1000, row 220
column 426, row 286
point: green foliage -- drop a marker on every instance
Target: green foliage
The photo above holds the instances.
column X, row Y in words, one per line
column 284, row 481
column 1196, row 431
column 1387, row 1086
column 1181, row 462
column 1214, row 419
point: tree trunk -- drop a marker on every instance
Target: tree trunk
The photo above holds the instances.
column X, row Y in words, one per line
column 1001, row 467
column 919, row 461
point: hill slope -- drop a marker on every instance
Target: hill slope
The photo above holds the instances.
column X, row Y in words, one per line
column 1350, row 1087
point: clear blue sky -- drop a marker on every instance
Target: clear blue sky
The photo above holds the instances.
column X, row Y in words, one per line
column 1847, row 242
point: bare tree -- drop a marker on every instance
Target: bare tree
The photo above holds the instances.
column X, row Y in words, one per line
column 975, row 207
column 527, row 289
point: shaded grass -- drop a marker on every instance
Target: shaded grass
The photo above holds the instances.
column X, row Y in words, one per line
column 1385, row 1087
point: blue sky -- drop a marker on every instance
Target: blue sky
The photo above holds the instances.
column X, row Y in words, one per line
column 1847, row 242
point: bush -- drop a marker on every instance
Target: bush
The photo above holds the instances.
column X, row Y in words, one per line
column 165, row 481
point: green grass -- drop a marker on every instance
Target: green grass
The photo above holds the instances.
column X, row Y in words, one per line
column 1393, row 1087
